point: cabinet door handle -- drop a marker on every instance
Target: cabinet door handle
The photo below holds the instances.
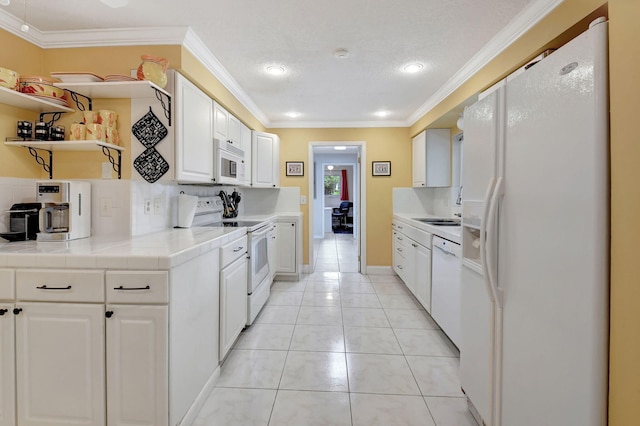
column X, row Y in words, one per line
column 3, row 311
column 108, row 314
column 44, row 287
column 414, row 245
column 16, row 311
column 400, row 250
column 400, row 238
column 132, row 288
column 238, row 249
column 400, row 267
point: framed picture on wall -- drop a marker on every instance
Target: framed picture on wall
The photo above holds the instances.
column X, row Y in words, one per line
column 295, row 168
column 381, row 168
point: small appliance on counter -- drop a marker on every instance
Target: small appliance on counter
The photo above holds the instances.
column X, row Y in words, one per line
column 23, row 222
column 66, row 210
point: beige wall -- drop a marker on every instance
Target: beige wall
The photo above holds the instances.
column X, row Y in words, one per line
column 382, row 144
column 26, row 59
column 625, row 212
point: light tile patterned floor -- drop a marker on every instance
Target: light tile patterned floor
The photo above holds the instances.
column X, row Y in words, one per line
column 339, row 348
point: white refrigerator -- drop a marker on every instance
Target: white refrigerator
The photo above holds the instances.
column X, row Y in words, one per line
column 535, row 276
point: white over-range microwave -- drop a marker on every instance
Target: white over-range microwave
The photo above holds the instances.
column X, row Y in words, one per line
column 229, row 162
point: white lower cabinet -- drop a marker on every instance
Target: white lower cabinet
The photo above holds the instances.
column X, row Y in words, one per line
column 400, row 260
column 7, row 365
column 422, row 274
column 137, row 345
column 137, row 364
column 272, row 250
column 60, row 365
column 412, row 260
column 286, row 247
column 233, row 303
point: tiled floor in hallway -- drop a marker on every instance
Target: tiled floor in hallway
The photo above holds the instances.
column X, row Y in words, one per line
column 339, row 348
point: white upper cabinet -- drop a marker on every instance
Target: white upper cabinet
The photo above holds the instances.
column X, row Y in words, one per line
column 432, row 158
column 234, row 133
column 265, row 160
column 193, row 133
column 245, row 144
column 220, row 122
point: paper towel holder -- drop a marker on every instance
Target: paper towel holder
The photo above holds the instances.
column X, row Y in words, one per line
column 186, row 209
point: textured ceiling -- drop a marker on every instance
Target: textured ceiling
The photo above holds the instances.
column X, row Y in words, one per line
column 247, row 35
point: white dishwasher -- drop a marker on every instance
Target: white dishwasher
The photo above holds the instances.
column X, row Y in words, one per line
column 445, row 286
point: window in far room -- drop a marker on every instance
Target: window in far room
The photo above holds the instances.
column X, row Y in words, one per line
column 331, row 184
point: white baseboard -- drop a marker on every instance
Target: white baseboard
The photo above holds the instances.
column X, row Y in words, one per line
column 380, row 270
column 195, row 408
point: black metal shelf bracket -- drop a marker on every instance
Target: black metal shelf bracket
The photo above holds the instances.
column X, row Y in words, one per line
column 117, row 167
column 165, row 106
column 78, row 102
column 40, row 160
column 55, row 116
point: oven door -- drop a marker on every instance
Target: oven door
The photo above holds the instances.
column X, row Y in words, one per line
column 258, row 258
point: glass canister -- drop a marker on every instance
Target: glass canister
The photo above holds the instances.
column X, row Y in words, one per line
column 154, row 69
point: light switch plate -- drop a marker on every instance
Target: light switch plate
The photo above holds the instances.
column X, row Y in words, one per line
column 303, row 199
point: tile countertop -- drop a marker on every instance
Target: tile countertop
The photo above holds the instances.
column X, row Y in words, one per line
column 160, row 250
column 451, row 233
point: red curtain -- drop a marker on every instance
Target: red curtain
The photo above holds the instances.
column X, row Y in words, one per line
column 344, row 187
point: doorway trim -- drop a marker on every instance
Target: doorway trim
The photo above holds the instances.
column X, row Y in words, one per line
column 361, row 205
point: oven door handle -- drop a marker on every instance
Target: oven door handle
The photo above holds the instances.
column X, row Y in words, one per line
column 260, row 233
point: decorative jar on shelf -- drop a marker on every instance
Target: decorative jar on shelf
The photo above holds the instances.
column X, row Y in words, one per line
column 154, row 69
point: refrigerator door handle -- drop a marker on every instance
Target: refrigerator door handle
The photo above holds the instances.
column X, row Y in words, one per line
column 491, row 237
column 483, row 234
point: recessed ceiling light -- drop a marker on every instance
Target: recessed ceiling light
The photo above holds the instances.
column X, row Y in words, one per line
column 293, row 114
column 413, row 68
column 329, row 167
column 341, row 53
column 340, row 148
column 381, row 113
column 5, row 2
column 275, row 70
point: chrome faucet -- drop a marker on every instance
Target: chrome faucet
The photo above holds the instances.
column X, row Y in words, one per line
column 459, row 199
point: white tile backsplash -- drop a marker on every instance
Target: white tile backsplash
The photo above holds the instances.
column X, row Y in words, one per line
column 432, row 201
column 126, row 198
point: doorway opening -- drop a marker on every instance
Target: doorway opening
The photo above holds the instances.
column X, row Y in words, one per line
column 336, row 211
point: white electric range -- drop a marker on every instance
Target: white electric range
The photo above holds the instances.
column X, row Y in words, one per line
column 209, row 213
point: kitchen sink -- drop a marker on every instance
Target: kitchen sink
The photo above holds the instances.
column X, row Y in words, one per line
column 438, row 221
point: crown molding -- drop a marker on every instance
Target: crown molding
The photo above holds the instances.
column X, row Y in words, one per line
column 522, row 23
column 334, row 124
column 147, row 36
column 195, row 45
column 12, row 24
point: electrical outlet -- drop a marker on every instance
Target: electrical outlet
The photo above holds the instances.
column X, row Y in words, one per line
column 106, row 206
column 157, row 205
column 148, row 206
